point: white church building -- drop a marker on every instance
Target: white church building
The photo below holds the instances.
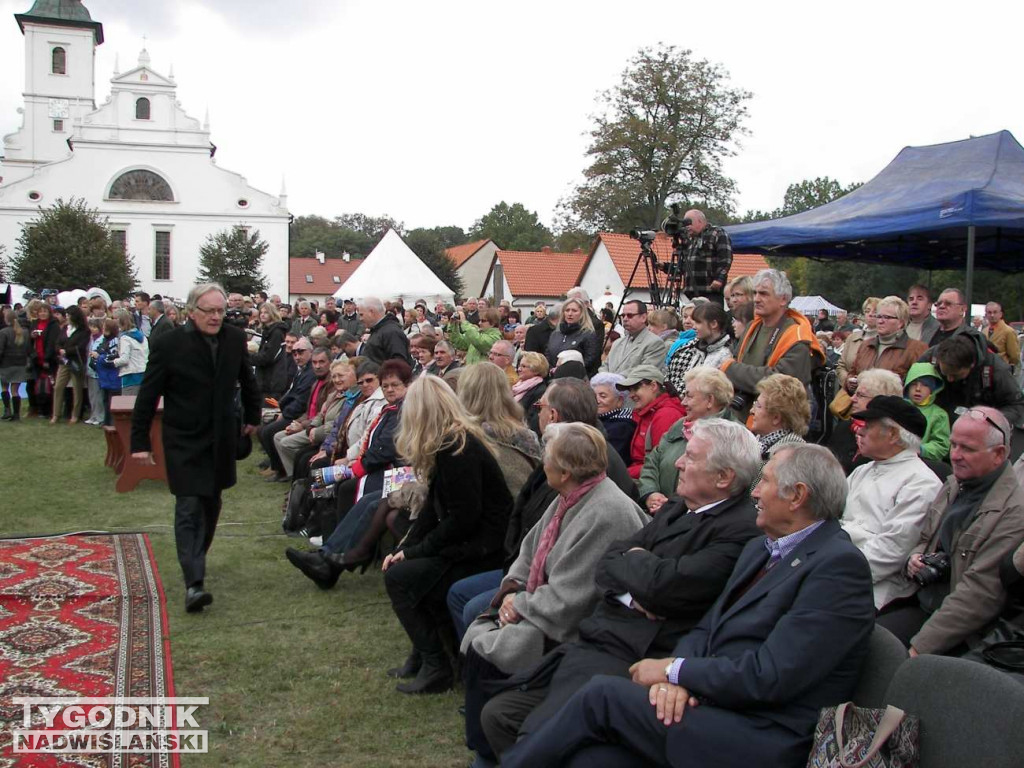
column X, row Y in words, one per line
column 138, row 158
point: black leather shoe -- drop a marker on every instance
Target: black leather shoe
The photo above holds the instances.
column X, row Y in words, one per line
column 197, row 598
column 314, row 566
column 409, row 668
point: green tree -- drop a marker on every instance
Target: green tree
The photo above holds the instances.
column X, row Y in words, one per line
column 311, row 234
column 659, row 135
column 234, row 258
column 374, row 227
column 429, row 245
column 512, row 227
column 69, row 246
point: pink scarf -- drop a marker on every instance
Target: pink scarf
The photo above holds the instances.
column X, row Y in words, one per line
column 538, row 576
column 520, row 388
column 688, row 430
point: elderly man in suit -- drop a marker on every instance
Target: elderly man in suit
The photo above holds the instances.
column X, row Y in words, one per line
column 656, row 585
column 195, row 368
column 786, row 637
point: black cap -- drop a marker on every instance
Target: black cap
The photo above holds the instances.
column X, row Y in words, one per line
column 905, row 414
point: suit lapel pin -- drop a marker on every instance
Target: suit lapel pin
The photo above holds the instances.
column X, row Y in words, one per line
column 795, row 563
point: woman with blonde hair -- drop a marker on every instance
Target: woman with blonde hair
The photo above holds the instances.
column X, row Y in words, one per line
column 14, row 355
column 575, row 331
column 780, row 414
column 533, row 371
column 484, row 392
column 459, row 532
column 858, row 337
column 890, row 348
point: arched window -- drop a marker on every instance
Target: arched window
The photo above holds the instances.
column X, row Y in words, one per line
column 140, row 185
column 142, row 109
column 59, row 62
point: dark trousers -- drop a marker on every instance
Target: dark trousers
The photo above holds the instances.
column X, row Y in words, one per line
column 195, row 521
column 266, row 433
column 611, row 722
column 108, row 417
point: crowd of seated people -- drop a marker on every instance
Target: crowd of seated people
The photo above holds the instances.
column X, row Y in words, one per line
column 610, row 529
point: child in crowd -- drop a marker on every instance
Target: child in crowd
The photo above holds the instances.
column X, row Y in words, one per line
column 922, row 385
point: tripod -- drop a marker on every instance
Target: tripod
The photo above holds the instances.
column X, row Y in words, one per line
column 672, row 293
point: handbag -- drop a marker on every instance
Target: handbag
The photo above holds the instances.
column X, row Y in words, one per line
column 1002, row 647
column 853, row 737
column 841, row 405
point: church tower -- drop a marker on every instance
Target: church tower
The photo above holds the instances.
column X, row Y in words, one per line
column 60, row 83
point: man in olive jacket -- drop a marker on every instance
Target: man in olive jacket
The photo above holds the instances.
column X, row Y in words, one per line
column 195, row 368
column 977, row 520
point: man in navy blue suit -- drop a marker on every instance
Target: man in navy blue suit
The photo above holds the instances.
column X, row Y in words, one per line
column 786, row 637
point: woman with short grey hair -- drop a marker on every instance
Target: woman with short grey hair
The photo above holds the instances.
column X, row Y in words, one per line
column 615, row 415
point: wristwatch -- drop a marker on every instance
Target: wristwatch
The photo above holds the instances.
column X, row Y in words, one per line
column 668, row 670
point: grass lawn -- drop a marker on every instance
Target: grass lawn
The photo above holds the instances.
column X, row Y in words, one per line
column 295, row 676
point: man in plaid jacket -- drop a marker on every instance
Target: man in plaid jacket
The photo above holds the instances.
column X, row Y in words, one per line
column 708, row 258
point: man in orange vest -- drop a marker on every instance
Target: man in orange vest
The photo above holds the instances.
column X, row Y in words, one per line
column 779, row 340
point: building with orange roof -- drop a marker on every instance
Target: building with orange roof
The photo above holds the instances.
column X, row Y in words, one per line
column 318, row 278
column 473, row 262
column 526, row 277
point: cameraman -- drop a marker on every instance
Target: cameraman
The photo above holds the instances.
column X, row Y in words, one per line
column 236, row 313
column 707, row 260
column 974, row 523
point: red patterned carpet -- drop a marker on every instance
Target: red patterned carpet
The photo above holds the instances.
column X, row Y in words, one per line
column 80, row 616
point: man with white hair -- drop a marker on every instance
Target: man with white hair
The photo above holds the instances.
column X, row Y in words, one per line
column 387, row 339
column 501, row 354
column 708, row 259
column 974, row 523
column 778, row 340
column 889, row 496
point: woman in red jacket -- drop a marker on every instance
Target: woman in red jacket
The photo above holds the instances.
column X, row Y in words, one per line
column 656, row 407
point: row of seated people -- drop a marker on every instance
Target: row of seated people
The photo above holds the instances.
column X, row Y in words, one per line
column 535, row 572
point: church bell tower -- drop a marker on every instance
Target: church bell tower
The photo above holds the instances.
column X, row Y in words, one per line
column 60, row 83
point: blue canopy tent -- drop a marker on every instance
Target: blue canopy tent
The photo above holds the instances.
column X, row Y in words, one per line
column 948, row 206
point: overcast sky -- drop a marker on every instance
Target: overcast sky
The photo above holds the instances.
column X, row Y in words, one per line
column 434, row 112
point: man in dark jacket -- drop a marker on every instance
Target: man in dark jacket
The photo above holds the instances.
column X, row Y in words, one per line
column 292, row 404
column 158, row 324
column 387, row 339
column 539, row 333
column 195, row 368
column 656, row 585
column 975, row 375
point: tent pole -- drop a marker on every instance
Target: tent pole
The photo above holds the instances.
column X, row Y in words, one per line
column 969, row 283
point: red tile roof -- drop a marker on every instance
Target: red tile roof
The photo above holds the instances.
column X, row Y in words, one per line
column 460, row 254
column 624, row 251
column 324, row 283
column 541, row 273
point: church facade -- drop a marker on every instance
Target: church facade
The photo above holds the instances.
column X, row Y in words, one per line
column 146, row 165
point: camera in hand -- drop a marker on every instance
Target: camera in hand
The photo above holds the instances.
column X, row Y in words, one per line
column 934, row 567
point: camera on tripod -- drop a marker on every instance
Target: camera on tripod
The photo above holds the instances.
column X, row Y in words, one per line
column 645, row 236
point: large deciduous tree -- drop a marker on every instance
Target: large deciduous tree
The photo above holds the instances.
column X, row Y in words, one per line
column 234, row 258
column 69, row 246
column 659, row 135
column 512, row 227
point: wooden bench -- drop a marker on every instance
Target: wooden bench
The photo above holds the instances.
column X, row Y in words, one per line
column 132, row 471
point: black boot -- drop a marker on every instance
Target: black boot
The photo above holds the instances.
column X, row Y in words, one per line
column 435, row 676
column 342, row 563
column 315, row 567
column 15, row 408
column 7, row 407
column 409, row 668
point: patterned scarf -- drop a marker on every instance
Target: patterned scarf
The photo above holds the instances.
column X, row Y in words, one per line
column 538, row 576
column 768, row 441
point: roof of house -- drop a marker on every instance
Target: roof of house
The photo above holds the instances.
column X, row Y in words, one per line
column 312, row 277
column 544, row 273
column 460, row 254
column 624, row 252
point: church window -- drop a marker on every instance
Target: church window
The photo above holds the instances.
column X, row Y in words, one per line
column 162, row 263
column 58, row 126
column 141, row 185
column 59, row 61
column 120, row 238
column 142, row 109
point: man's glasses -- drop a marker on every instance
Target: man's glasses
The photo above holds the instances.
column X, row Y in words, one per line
column 977, row 415
column 367, row 381
column 631, row 315
column 886, row 317
column 944, row 303
column 301, row 352
column 214, row 311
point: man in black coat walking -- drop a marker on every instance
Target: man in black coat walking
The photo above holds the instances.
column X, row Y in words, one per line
column 195, row 369
column 387, row 339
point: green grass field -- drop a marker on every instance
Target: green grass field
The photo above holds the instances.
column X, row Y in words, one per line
column 295, row 676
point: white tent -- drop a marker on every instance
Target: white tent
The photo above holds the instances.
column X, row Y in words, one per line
column 17, row 292
column 392, row 271
column 809, row 305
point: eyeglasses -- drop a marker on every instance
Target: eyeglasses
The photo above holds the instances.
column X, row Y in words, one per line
column 977, row 415
column 498, row 354
column 368, row 381
column 302, row 351
column 886, row 317
column 631, row 315
column 944, row 303
column 215, row 311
